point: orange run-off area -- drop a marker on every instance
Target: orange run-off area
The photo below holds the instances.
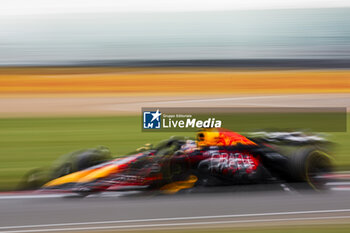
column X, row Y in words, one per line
column 157, row 81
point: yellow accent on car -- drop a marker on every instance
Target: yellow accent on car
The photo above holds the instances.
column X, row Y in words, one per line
column 70, row 178
column 100, row 173
column 179, row 185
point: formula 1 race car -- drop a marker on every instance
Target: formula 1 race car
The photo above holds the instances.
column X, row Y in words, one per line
column 216, row 157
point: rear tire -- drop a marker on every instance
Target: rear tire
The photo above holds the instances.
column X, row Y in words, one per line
column 308, row 165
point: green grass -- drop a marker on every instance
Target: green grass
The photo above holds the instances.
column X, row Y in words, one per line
column 27, row 143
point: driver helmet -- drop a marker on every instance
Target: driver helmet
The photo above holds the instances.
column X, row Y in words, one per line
column 208, row 137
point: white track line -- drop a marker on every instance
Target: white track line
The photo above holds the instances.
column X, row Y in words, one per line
column 55, row 195
column 34, row 196
column 338, row 183
column 216, row 99
column 234, row 100
column 177, row 224
column 180, row 218
column 221, row 99
column 341, row 189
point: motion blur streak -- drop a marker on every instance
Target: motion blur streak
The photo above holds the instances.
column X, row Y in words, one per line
column 20, row 7
column 160, row 81
column 99, row 38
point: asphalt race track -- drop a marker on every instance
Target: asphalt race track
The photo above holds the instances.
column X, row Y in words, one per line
column 125, row 211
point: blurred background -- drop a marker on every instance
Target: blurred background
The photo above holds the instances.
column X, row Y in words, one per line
column 75, row 74
column 84, row 32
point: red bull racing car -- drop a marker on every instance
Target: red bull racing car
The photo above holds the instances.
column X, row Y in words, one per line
column 215, row 157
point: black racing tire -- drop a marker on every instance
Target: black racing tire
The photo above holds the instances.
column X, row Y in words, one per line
column 84, row 162
column 81, row 162
column 308, row 165
column 63, row 170
column 173, row 168
column 205, row 176
column 33, row 179
column 88, row 160
column 179, row 167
